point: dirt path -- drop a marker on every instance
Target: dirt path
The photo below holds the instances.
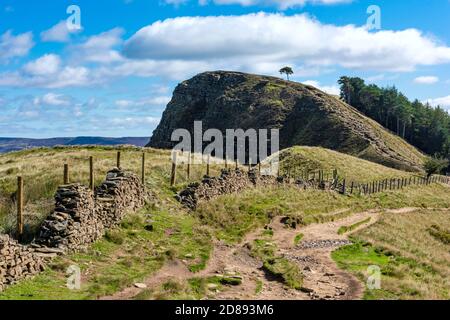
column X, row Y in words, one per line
column 322, row 278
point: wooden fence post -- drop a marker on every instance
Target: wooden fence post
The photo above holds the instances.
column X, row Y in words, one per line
column 259, row 167
column 226, row 162
column 189, row 166
column 173, row 176
column 207, row 165
column 143, row 169
column 66, row 173
column 343, row 187
column 351, row 187
column 19, row 208
column 91, row 173
column 118, row 160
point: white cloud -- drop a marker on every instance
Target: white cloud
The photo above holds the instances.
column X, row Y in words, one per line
column 443, row 102
column 333, row 90
column 53, row 99
column 426, row 80
column 278, row 39
column 15, row 46
column 46, row 65
column 127, row 122
column 58, row 33
column 66, row 77
column 154, row 101
column 99, row 48
column 281, row 4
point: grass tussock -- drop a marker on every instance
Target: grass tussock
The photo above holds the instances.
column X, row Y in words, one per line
column 350, row 228
column 277, row 266
column 438, row 233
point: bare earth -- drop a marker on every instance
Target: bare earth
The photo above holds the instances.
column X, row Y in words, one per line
column 322, row 278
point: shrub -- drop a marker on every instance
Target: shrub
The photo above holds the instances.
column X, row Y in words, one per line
column 115, row 236
column 435, row 165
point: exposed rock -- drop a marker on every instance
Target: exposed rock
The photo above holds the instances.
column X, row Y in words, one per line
column 305, row 116
column 323, row 244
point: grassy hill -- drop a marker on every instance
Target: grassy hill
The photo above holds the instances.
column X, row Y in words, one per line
column 305, row 116
column 351, row 168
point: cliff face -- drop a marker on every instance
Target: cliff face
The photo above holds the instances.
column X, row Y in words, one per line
column 304, row 115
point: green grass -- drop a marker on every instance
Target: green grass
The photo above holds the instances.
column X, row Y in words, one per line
column 298, row 238
column 279, row 267
column 130, row 254
column 233, row 216
column 439, row 234
column 414, row 264
column 297, row 160
column 110, row 265
column 42, row 170
column 345, row 229
column 259, row 287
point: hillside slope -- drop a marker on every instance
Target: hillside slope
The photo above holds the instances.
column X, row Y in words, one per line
column 304, row 115
column 350, row 167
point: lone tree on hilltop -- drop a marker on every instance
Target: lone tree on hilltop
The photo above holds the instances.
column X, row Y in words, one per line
column 287, row 71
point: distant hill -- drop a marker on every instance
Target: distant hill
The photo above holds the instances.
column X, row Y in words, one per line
column 16, row 144
column 304, row 114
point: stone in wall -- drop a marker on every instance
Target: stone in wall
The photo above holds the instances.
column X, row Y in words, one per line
column 17, row 261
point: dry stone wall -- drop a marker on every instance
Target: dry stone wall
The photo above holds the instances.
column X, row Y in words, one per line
column 17, row 261
column 80, row 218
column 74, row 223
column 229, row 181
column 120, row 193
column 232, row 181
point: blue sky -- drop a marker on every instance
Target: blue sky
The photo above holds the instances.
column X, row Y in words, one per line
column 115, row 75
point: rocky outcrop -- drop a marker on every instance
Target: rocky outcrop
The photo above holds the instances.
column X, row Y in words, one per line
column 17, row 261
column 305, row 116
